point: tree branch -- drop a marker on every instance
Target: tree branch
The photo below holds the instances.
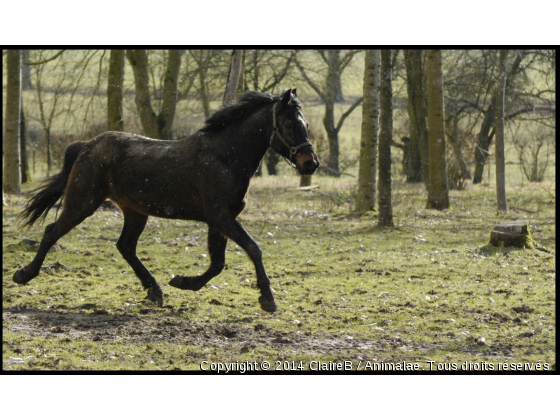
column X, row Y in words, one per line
column 280, row 76
column 347, row 113
column 347, row 58
column 37, row 63
column 529, row 109
column 471, row 104
column 323, row 56
column 394, row 58
column 395, row 144
column 309, row 81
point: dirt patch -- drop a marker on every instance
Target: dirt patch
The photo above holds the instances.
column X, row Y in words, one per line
column 236, row 337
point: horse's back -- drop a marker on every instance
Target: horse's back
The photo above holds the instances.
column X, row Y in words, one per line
column 149, row 176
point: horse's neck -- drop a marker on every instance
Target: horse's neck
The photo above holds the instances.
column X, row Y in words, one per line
column 252, row 139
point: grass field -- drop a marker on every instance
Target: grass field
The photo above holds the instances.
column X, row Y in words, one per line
column 427, row 290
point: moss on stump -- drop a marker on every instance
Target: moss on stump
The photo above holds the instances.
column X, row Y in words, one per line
column 515, row 234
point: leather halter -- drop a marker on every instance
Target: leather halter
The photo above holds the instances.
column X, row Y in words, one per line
column 292, row 149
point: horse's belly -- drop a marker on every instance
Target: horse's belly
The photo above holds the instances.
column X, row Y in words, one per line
column 170, row 206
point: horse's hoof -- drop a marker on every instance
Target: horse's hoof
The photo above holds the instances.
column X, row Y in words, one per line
column 19, row 277
column 184, row 283
column 267, row 305
column 155, row 295
column 177, row 282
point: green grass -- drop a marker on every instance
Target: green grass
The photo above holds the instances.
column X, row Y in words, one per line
column 428, row 289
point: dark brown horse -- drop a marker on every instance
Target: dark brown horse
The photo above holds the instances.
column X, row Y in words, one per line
column 203, row 177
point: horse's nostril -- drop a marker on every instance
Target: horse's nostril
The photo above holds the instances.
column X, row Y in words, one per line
column 309, row 164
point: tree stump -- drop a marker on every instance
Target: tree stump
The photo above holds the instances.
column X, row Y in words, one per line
column 305, row 181
column 515, row 234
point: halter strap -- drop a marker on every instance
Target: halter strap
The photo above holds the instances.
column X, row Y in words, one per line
column 293, row 149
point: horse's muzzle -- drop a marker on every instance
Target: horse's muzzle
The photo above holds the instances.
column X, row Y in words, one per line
column 309, row 167
column 307, row 163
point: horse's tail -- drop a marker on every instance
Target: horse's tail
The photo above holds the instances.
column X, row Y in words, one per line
column 51, row 191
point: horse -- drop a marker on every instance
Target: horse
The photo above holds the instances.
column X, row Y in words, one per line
column 204, row 177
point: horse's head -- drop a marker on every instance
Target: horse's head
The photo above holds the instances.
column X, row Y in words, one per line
column 291, row 139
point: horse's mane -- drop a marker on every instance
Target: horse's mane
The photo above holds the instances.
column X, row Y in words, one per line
column 248, row 103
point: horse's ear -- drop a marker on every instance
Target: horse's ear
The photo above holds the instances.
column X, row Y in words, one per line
column 294, row 93
column 286, row 99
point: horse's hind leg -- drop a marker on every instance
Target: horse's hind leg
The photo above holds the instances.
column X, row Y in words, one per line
column 74, row 212
column 233, row 229
column 134, row 224
column 216, row 247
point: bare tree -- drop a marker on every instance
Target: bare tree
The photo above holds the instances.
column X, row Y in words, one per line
column 60, row 81
column 416, row 151
column 472, row 90
column 385, row 140
column 25, row 176
column 268, row 68
column 485, row 135
column 367, row 175
column 500, row 155
column 535, row 148
column 208, row 69
column 155, row 126
column 242, row 83
column 51, row 109
column 330, row 93
column 12, row 170
column 115, row 86
column 438, row 196
column 27, row 84
column 233, row 77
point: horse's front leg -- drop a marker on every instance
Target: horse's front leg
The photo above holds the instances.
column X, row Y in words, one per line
column 217, row 249
column 233, row 229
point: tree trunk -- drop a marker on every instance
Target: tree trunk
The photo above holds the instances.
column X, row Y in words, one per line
column 12, row 169
column 139, row 62
column 115, row 87
column 45, row 120
column 49, row 160
column 242, row 84
column 367, row 175
column 155, row 126
column 385, row 140
column 458, row 170
column 417, row 165
column 332, row 136
column 329, row 94
column 305, row 180
column 334, row 78
column 256, row 70
column 25, row 177
column 483, row 142
column 407, row 168
column 169, row 102
column 500, row 157
column 204, row 92
column 438, row 197
column 233, row 77
column 272, row 158
column 26, row 82
column 332, row 91
column 484, row 138
column 464, row 168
